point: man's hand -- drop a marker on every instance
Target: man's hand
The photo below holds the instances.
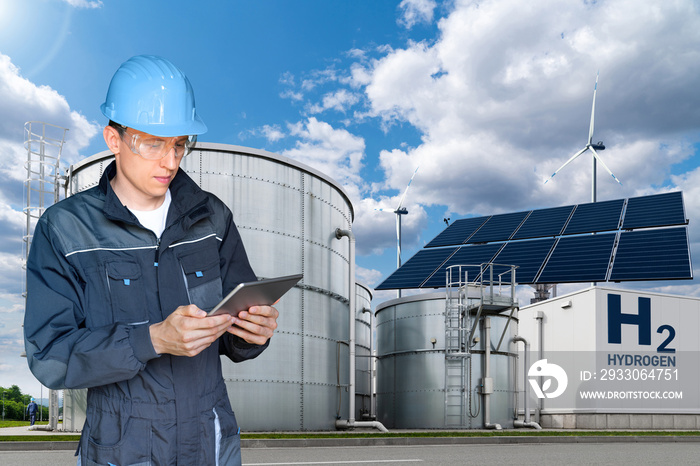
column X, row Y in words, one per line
column 256, row 325
column 188, row 331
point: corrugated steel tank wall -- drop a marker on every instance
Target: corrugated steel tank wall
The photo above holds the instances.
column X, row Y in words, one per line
column 287, row 214
column 363, row 335
column 411, row 381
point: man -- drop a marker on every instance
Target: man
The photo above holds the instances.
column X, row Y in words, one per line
column 32, row 409
column 119, row 278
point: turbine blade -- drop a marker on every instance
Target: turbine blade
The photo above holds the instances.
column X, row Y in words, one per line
column 567, row 163
column 590, row 130
column 595, row 154
column 406, row 190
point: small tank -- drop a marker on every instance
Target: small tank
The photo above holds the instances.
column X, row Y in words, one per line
column 420, row 385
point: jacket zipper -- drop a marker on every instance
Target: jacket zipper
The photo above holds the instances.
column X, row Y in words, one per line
column 155, row 262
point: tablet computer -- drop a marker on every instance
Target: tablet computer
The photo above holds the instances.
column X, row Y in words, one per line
column 259, row 293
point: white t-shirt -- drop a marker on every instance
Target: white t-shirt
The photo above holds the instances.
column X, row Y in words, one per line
column 154, row 220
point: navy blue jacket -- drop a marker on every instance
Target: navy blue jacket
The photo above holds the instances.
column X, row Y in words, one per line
column 96, row 281
column 32, row 408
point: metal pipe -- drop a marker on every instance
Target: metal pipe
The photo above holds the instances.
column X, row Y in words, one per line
column 487, row 381
column 539, row 315
column 526, row 392
column 350, row 422
column 345, row 424
column 371, row 362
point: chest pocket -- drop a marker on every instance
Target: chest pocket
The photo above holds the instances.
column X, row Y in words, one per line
column 127, row 292
column 202, row 274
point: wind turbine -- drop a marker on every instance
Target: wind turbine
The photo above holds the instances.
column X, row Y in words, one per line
column 399, row 211
column 592, row 147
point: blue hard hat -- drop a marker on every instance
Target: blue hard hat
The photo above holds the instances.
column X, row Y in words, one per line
column 152, row 95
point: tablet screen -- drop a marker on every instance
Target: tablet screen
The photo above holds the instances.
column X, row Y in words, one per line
column 258, row 293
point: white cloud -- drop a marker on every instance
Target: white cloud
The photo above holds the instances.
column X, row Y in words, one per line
column 339, row 100
column 11, row 303
column 287, row 78
column 401, row 86
column 11, row 274
column 321, row 77
column 84, row 3
column 22, row 101
column 319, row 81
column 272, row 133
column 291, row 95
column 367, row 277
column 360, row 74
column 416, row 11
column 12, row 218
column 335, row 152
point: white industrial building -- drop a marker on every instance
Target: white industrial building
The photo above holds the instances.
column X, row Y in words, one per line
column 631, row 359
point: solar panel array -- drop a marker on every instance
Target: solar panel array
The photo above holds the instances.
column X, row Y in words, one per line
column 619, row 240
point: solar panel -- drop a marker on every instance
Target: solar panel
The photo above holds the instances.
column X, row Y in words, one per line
column 416, row 269
column 458, row 232
column 655, row 211
column 595, row 217
column 579, row 259
column 652, row 255
column 568, row 256
column 527, row 255
column 498, row 227
column 544, row 222
column 466, row 255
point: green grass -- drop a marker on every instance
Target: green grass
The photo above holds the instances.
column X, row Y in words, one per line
column 473, row 433
column 33, row 438
column 4, row 423
column 369, row 435
column 39, row 438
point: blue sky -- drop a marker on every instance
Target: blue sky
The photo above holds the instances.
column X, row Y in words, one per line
column 488, row 98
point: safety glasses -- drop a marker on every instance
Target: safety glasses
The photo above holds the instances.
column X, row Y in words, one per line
column 155, row 148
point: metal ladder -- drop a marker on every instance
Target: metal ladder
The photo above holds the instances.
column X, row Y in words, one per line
column 457, row 348
column 496, row 294
column 44, row 144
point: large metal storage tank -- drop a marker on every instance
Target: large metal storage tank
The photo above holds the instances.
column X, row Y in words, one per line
column 287, row 214
column 415, row 389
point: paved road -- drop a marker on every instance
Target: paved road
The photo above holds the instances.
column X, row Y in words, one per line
column 540, row 454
